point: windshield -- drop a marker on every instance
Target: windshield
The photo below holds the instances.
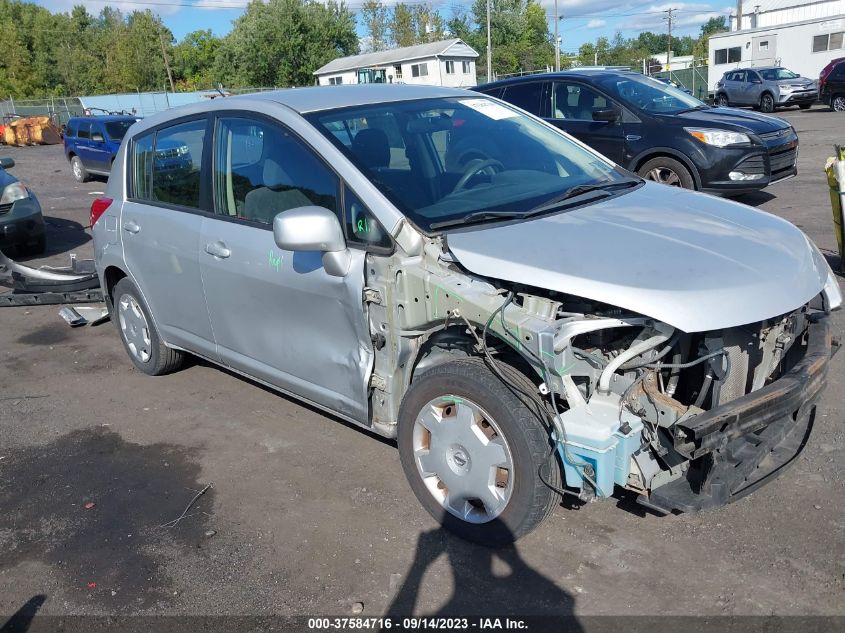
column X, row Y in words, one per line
column 441, row 160
column 774, row 74
column 117, row 129
column 650, row 95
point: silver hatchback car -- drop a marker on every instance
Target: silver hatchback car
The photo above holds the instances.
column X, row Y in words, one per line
column 526, row 318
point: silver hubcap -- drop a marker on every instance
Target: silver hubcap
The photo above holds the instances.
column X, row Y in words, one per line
column 133, row 326
column 664, row 176
column 76, row 170
column 767, row 103
column 839, row 104
column 463, row 459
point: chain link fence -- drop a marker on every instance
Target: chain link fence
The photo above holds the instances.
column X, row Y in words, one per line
column 693, row 79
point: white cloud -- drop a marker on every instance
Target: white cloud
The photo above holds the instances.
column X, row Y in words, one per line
column 596, row 24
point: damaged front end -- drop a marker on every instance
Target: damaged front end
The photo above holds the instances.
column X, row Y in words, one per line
column 687, row 421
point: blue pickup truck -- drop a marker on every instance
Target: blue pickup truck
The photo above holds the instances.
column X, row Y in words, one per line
column 91, row 143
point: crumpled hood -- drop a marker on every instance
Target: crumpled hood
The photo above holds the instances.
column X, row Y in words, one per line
column 688, row 259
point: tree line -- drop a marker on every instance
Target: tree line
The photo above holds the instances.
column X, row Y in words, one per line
column 278, row 43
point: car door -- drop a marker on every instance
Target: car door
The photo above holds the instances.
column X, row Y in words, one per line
column 572, row 104
column 278, row 315
column 160, row 225
column 83, row 145
column 753, row 87
column 98, row 148
column 734, row 84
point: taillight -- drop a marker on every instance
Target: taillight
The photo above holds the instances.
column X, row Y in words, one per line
column 98, row 208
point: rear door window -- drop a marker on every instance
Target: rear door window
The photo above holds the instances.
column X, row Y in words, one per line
column 84, row 130
column 526, row 96
column 177, row 161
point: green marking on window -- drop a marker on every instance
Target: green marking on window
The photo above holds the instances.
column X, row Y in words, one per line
column 361, row 226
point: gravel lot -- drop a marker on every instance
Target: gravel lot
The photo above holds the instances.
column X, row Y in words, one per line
column 308, row 515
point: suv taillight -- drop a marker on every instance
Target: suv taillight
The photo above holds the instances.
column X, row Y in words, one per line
column 98, row 207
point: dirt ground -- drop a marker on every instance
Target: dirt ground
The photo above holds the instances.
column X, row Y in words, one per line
column 308, row 516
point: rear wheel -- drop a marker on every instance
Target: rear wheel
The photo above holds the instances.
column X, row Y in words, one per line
column 667, row 171
column 80, row 174
column 471, row 450
column 722, row 100
column 767, row 103
column 138, row 333
column 837, row 104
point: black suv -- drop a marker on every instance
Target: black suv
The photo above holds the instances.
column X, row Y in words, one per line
column 832, row 84
column 658, row 131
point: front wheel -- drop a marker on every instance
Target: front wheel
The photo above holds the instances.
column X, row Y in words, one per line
column 767, row 103
column 667, row 171
column 837, row 104
column 471, row 450
column 722, row 101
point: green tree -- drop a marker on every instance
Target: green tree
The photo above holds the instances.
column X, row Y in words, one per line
column 282, row 42
column 193, row 60
column 376, row 19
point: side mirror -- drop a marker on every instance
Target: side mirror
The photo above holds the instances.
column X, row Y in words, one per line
column 7, row 163
column 314, row 229
column 607, row 115
column 97, row 138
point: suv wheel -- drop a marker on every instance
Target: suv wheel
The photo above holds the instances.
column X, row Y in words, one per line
column 837, row 104
column 722, row 100
column 667, row 171
column 471, row 450
column 78, row 169
column 138, row 333
column 767, row 103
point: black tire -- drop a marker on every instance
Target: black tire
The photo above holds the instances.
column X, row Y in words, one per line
column 80, row 174
column 837, row 103
column 667, row 171
column 161, row 358
column 722, row 100
column 805, row 106
column 523, row 428
column 767, row 103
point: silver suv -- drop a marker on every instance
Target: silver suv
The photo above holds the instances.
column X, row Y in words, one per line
column 765, row 89
column 525, row 318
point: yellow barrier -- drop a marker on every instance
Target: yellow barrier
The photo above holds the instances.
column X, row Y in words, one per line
column 835, row 169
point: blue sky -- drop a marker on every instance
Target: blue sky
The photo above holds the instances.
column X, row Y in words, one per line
column 583, row 20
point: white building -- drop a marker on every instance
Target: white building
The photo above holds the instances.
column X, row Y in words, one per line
column 676, row 62
column 800, row 36
column 447, row 63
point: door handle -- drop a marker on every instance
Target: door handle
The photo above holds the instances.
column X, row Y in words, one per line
column 131, row 227
column 632, row 137
column 217, row 249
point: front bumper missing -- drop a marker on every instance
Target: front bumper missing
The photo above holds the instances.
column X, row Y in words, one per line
column 48, row 286
column 751, row 440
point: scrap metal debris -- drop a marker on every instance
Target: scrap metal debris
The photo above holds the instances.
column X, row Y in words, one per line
column 84, row 315
column 47, row 285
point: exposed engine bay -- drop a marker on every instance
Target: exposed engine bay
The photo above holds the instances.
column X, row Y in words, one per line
column 624, row 392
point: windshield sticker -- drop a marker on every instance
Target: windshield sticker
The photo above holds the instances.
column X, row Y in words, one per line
column 489, row 108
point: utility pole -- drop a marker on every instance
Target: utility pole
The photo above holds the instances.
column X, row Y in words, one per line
column 489, row 47
column 557, row 41
column 738, row 15
column 166, row 62
column 669, row 42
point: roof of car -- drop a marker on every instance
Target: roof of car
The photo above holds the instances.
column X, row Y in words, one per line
column 317, row 98
column 573, row 72
column 106, row 117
